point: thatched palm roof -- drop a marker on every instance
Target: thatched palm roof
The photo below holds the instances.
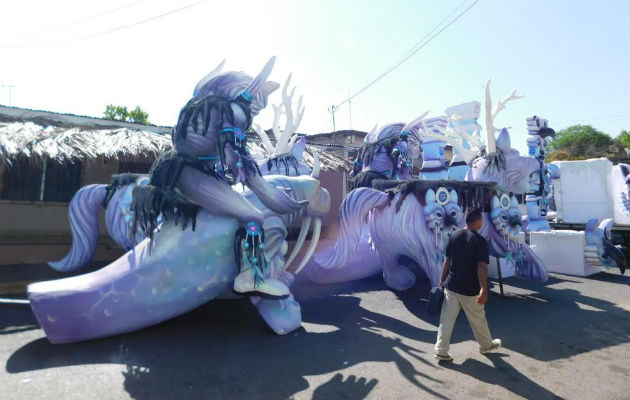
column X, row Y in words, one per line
column 72, row 144
column 68, row 144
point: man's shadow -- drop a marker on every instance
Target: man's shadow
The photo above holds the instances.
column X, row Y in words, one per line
column 224, row 350
column 503, row 374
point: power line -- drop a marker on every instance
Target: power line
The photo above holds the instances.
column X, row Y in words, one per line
column 410, row 53
column 75, row 22
column 118, row 28
column 419, row 42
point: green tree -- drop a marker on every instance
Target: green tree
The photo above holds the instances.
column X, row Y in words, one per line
column 620, row 144
column 582, row 141
column 623, row 140
column 139, row 116
column 120, row 113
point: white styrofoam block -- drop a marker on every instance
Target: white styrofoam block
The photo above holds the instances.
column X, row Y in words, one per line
column 619, row 190
column 562, row 252
column 583, row 190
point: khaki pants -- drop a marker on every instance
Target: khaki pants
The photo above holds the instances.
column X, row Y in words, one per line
column 475, row 313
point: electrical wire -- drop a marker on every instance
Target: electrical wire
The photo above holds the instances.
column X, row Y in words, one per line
column 118, row 28
column 419, row 42
column 409, row 53
column 75, row 22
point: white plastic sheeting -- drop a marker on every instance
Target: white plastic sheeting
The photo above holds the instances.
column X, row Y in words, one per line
column 582, row 192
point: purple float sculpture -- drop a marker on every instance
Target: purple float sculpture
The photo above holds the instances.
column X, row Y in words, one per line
column 433, row 162
column 463, row 133
column 197, row 247
column 83, row 211
column 379, row 231
column 499, row 162
column 117, row 198
column 375, row 235
column 388, row 153
column 496, row 161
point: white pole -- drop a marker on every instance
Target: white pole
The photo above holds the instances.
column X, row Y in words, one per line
column 350, row 106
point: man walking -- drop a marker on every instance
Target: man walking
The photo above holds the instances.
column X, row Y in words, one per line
column 465, row 282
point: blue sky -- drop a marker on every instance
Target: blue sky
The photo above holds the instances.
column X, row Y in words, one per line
column 571, row 59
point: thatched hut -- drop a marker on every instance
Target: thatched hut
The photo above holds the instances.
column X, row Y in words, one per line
column 46, row 157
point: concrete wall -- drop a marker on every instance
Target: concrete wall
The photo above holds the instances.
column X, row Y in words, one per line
column 34, row 232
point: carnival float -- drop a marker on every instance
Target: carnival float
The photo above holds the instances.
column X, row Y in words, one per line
column 212, row 217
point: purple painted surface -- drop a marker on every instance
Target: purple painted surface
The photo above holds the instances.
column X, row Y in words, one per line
column 373, row 236
column 183, row 270
column 513, row 176
column 83, row 217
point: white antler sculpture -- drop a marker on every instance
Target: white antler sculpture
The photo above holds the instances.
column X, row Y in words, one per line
column 264, row 138
column 286, row 138
column 490, row 116
column 456, row 139
column 455, row 136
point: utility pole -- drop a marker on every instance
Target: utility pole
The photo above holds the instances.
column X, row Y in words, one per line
column 350, row 108
column 10, row 87
column 332, row 110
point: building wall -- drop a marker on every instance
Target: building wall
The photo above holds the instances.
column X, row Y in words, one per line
column 335, row 183
column 34, row 232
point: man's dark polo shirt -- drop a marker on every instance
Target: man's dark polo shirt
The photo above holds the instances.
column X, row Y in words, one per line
column 465, row 248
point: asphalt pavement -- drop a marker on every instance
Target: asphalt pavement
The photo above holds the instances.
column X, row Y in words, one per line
column 568, row 338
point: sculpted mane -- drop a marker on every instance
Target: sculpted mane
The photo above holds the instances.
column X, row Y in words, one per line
column 396, row 236
column 231, row 84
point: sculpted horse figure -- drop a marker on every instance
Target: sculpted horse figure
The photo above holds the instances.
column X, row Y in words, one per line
column 196, row 247
column 284, row 158
column 380, row 231
column 175, row 272
column 387, row 153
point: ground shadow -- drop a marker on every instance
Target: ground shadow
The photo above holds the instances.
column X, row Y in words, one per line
column 550, row 323
column 547, row 323
column 338, row 388
column 503, row 374
column 16, row 318
column 224, row 350
column 612, row 277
